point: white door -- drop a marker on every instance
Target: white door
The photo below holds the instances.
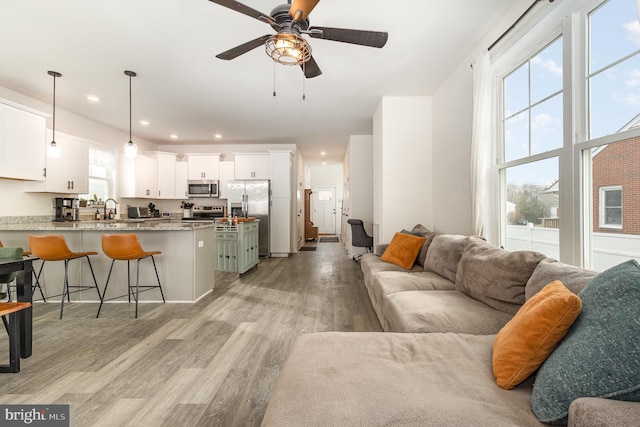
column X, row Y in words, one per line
column 324, row 209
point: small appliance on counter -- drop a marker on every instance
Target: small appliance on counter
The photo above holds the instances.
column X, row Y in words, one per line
column 138, row 212
column 66, row 209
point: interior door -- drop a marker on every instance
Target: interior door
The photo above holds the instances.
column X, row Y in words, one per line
column 324, row 209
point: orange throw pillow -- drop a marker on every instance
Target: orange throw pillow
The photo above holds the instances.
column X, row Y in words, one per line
column 524, row 343
column 403, row 250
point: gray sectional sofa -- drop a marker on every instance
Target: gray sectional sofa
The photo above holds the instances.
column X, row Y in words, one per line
column 433, row 363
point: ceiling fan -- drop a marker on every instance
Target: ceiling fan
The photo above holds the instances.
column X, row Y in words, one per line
column 288, row 46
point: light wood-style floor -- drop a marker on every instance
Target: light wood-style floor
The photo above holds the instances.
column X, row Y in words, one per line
column 212, row 363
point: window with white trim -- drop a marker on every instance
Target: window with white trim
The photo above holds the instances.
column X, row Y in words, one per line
column 101, row 174
column 610, row 207
column 595, row 150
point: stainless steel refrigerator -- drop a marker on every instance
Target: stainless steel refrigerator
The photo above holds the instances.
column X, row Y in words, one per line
column 252, row 198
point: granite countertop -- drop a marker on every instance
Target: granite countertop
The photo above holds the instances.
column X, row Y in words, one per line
column 123, row 225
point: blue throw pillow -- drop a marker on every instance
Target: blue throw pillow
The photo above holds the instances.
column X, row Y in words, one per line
column 600, row 355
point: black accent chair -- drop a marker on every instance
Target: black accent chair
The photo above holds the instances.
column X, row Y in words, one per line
column 359, row 236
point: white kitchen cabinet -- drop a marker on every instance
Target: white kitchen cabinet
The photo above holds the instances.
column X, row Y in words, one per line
column 22, row 144
column 166, row 174
column 252, row 166
column 138, row 177
column 203, row 166
column 227, row 173
column 182, row 172
column 68, row 173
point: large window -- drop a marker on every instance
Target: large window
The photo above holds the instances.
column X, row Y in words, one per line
column 533, row 105
column 532, row 126
column 569, row 153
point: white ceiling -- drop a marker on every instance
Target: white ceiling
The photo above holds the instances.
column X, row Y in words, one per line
column 182, row 88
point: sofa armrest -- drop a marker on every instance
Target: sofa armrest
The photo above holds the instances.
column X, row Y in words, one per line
column 380, row 248
column 597, row 412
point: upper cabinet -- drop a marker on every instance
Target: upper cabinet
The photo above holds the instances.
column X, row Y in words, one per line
column 68, row 173
column 22, row 144
column 253, row 166
column 203, row 166
column 182, row 171
column 227, row 174
column 138, row 177
column 165, row 174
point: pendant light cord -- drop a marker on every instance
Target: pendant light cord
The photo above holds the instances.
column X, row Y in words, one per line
column 130, row 114
column 54, row 74
column 54, row 109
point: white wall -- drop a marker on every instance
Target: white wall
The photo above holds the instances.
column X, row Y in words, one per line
column 402, row 162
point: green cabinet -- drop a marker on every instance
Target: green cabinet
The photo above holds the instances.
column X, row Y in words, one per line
column 236, row 246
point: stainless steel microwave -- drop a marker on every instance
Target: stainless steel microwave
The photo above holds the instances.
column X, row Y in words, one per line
column 204, row 188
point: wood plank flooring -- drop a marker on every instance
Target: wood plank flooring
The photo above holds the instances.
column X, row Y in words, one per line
column 212, row 363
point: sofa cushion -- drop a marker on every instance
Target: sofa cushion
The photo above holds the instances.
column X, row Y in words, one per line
column 548, row 270
column 423, row 231
column 403, row 250
column 381, row 379
column 371, row 264
column 440, row 311
column 495, row 276
column 600, row 355
column 529, row 338
column 444, row 255
column 385, row 283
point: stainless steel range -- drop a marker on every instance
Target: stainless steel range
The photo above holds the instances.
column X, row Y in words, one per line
column 205, row 213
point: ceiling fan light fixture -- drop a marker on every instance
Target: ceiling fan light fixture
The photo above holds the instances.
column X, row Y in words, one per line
column 288, row 48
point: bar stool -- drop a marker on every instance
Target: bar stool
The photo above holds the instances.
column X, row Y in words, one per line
column 12, row 326
column 54, row 248
column 126, row 247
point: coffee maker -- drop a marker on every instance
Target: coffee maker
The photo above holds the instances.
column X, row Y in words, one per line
column 66, row 209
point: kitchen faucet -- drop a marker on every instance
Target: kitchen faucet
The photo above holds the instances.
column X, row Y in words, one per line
column 115, row 211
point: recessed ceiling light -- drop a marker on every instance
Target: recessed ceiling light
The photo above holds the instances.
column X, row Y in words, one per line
column 217, row 136
column 174, row 136
column 144, row 122
column 324, row 163
column 323, row 153
column 93, row 98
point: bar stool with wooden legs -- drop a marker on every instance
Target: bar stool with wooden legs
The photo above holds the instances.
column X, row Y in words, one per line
column 126, row 247
column 54, row 248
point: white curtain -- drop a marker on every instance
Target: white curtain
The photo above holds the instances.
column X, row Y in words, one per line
column 638, row 3
column 482, row 142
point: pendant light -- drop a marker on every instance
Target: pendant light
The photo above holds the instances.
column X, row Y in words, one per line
column 130, row 149
column 54, row 149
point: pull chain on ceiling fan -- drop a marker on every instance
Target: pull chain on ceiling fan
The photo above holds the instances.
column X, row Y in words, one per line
column 287, row 46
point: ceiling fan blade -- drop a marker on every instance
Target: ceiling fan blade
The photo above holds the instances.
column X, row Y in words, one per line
column 311, row 68
column 243, row 48
column 239, row 7
column 300, row 9
column 360, row 37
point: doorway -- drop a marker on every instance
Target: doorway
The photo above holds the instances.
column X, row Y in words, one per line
column 324, row 209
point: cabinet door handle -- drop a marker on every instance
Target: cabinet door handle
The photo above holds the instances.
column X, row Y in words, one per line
column 44, row 172
column 72, row 184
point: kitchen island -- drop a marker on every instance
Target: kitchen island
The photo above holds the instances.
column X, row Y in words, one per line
column 186, row 265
